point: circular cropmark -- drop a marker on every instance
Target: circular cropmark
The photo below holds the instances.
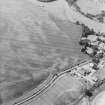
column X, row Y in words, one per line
column 69, row 97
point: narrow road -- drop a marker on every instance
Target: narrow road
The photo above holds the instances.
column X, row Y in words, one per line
column 51, row 82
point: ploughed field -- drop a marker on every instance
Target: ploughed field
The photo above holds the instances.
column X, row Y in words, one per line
column 34, row 44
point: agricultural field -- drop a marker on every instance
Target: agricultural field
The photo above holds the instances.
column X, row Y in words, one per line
column 41, row 41
column 34, row 44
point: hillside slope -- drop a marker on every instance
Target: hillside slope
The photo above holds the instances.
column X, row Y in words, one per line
column 34, row 42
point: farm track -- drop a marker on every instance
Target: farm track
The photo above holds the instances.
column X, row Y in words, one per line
column 48, row 83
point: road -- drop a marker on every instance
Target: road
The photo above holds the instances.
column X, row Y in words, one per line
column 49, row 84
